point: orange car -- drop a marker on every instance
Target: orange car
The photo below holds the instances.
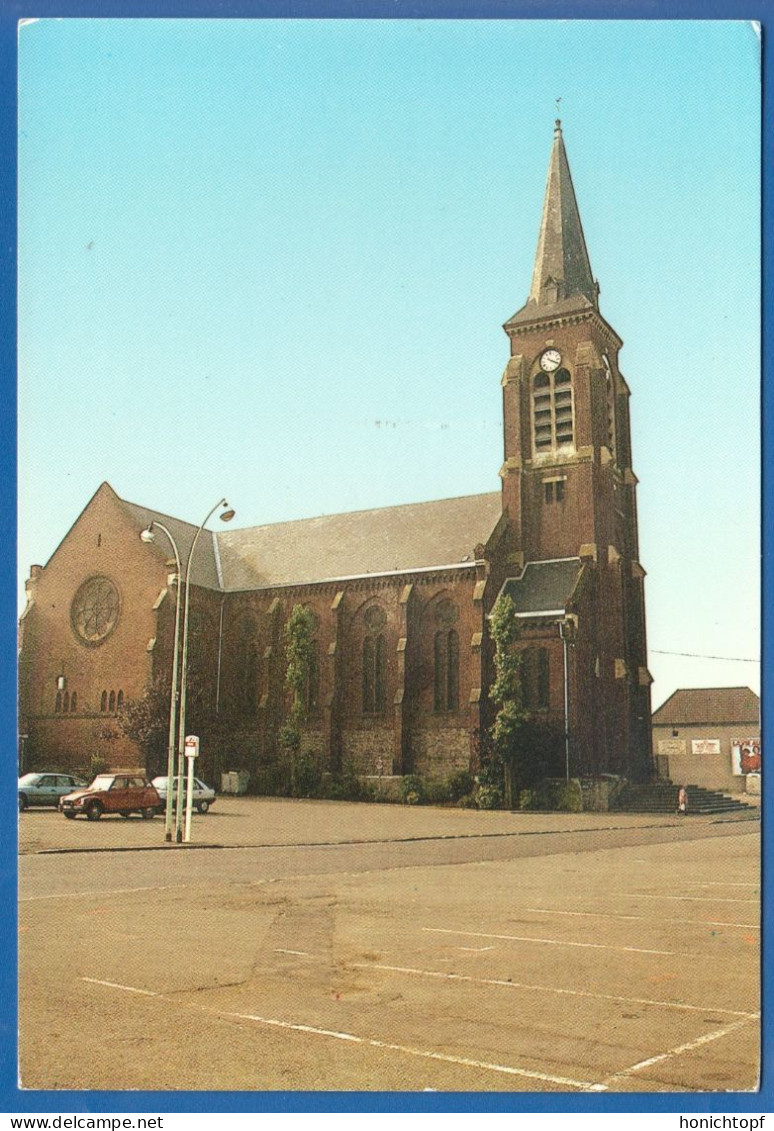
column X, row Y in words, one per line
column 112, row 793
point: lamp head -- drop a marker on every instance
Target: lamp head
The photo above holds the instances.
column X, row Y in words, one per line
column 147, row 535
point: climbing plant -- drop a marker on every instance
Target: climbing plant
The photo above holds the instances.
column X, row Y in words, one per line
column 299, row 655
column 508, row 734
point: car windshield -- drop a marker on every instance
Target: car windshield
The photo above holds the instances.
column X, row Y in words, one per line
column 102, row 781
column 28, row 779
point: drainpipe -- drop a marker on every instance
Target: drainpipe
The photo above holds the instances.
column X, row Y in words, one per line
column 220, row 655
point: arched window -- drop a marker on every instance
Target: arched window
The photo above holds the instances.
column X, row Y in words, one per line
column 65, row 702
column 447, row 670
column 312, row 689
column 120, row 700
column 103, row 702
column 543, row 684
column 58, row 703
column 73, row 702
column 446, row 657
column 374, row 661
column 535, row 679
column 112, row 702
column 552, row 413
column 247, row 675
column 610, row 394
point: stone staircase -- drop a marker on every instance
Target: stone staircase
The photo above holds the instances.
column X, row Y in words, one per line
column 661, row 797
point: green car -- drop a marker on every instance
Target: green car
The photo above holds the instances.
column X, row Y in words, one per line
column 46, row 789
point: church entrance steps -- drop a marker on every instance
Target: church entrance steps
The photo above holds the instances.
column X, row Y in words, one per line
column 661, row 797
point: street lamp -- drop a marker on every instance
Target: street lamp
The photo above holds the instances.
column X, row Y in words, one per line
column 226, row 516
column 567, row 633
column 149, row 536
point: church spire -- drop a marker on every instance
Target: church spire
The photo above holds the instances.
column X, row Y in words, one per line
column 562, row 268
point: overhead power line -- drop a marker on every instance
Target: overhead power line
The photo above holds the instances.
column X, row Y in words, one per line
column 701, row 656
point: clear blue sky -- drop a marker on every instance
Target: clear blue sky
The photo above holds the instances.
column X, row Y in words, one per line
column 271, row 260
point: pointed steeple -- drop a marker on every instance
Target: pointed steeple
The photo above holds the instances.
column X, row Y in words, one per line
column 562, row 270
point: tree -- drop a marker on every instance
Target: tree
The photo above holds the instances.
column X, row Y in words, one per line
column 509, row 732
column 299, row 653
column 146, row 722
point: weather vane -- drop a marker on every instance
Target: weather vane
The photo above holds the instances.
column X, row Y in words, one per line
column 558, row 100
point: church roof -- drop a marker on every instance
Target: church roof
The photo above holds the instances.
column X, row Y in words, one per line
column 562, row 280
column 544, row 587
column 416, row 536
column 204, row 568
column 716, row 706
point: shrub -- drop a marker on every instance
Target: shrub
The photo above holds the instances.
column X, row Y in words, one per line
column 271, row 780
column 489, row 797
column 555, row 794
column 437, row 792
column 459, row 785
column 342, row 787
column 308, row 776
column 412, row 790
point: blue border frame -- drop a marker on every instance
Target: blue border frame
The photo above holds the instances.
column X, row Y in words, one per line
column 11, row 1099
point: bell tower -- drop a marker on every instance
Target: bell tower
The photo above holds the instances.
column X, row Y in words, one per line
column 568, row 488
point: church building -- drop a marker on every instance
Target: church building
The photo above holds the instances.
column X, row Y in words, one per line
column 400, row 597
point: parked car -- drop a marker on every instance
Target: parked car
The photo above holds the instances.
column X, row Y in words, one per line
column 45, row 788
column 203, row 795
column 112, row 793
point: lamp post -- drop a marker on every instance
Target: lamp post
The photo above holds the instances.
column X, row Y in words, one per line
column 226, row 516
column 567, row 633
column 147, row 536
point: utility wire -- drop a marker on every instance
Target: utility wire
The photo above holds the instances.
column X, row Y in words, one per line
column 701, row 656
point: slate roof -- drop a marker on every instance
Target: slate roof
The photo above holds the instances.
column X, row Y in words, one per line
column 204, row 570
column 334, row 547
column 544, row 587
column 715, row 706
column 561, row 251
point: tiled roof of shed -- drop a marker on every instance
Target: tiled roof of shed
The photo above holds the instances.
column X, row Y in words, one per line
column 716, row 706
column 333, row 547
column 544, row 587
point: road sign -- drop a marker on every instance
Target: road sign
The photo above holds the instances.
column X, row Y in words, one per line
column 192, row 746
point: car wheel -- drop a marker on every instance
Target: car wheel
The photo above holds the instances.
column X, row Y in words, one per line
column 95, row 811
column 202, row 806
column 70, row 816
column 22, row 802
column 148, row 813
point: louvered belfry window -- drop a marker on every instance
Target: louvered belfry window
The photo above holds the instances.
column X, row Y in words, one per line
column 552, row 410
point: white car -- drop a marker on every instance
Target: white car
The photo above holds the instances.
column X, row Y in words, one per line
column 203, row 796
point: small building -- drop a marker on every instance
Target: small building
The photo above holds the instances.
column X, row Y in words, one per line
column 710, row 736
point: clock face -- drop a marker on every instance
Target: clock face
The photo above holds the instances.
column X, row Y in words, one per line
column 550, row 360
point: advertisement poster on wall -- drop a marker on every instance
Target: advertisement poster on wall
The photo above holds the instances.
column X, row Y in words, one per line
column 746, row 756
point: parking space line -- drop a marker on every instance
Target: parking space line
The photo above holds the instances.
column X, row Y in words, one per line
column 691, row 898
column 510, row 1070
column 388, row 1046
column 508, row 984
column 118, row 986
column 96, row 894
column 727, row 883
column 689, row 1046
column 646, row 918
column 548, row 942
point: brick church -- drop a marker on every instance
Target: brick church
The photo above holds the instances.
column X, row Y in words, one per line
column 400, row 596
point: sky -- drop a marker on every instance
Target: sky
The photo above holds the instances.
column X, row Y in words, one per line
column 270, row 260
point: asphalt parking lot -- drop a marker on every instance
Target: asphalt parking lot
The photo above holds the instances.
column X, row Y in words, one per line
column 323, row 945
